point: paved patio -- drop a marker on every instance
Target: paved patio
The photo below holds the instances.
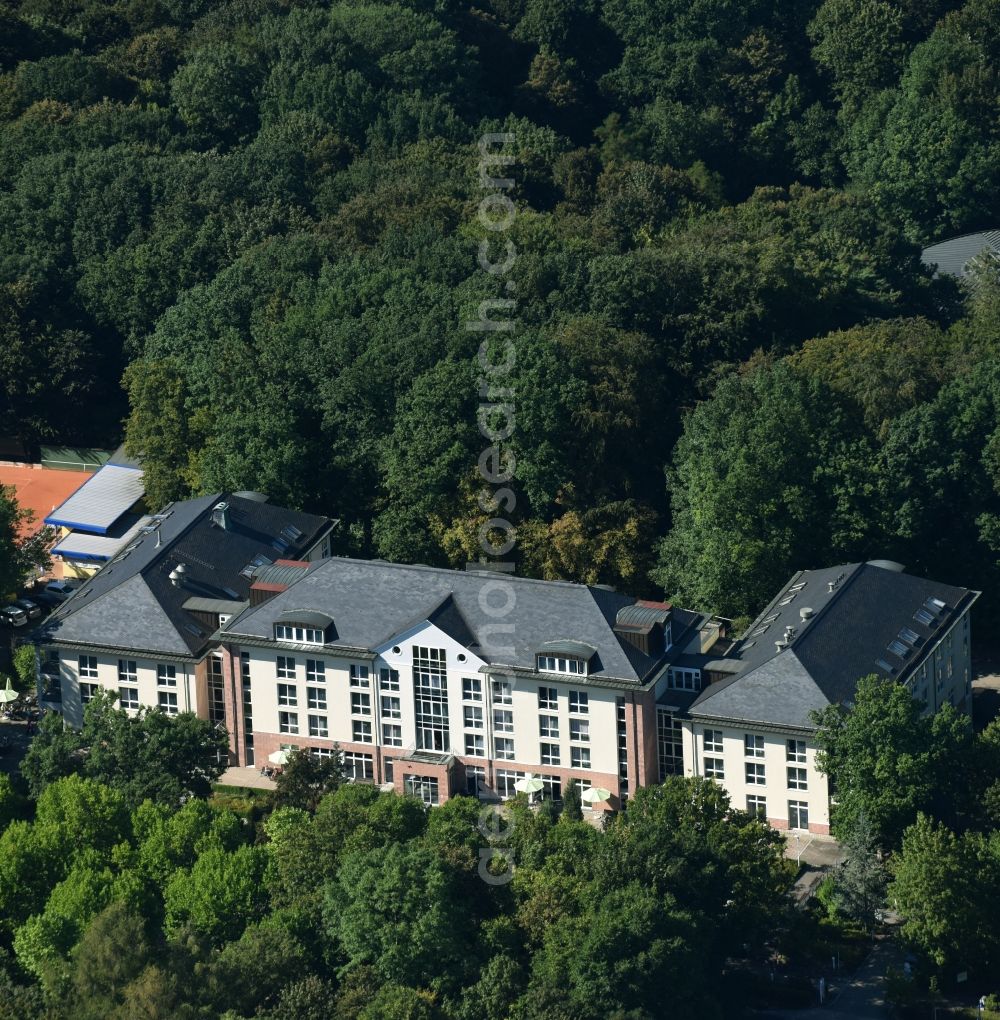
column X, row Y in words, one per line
column 247, row 777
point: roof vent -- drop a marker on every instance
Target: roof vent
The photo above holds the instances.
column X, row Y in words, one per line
column 178, row 574
column 780, row 645
column 220, row 516
column 806, row 613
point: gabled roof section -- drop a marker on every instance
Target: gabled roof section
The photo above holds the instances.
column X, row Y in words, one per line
column 372, row 600
column 115, row 609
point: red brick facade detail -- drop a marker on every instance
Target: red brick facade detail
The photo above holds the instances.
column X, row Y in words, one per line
column 232, row 696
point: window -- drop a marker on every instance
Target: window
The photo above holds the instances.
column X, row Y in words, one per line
column 317, row 726
column 757, row 806
column 361, row 731
column 88, row 666
column 430, row 696
column 286, row 668
column 216, row 690
column 797, row 779
column 755, row 774
column 472, row 689
column 669, row 745
column 798, row 814
column 561, row 664
column 550, row 754
column 288, row 694
column 358, row 766
column 473, row 717
column 503, row 720
column 475, row 745
column 288, row 722
column 315, row 671
column 245, row 668
column 359, row 676
column 502, row 693
column 579, row 757
column 128, row 697
column 579, row 702
column 548, row 698
column 87, row 692
column 127, row 673
column 391, row 708
column 475, row 779
column 392, row 735
column 795, row 750
column 505, row 780
column 300, row 635
column 389, row 679
column 713, row 741
column 548, row 726
column 316, row 698
column 684, row 679
column 168, row 701
column 753, row 745
column 504, row 748
column 424, row 788
column 551, row 787
column 714, row 768
column 361, row 704
column 579, row 730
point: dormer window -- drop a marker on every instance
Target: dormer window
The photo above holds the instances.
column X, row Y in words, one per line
column 300, row 635
column 561, row 664
column 303, row 628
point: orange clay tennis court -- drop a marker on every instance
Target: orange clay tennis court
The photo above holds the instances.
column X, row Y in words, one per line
column 40, row 490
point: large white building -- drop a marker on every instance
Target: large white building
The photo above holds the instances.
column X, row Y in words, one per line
column 441, row 682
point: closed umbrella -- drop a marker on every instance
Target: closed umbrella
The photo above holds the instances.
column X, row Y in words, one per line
column 595, row 795
column 278, row 757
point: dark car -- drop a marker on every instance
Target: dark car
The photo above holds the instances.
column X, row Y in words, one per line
column 33, row 609
column 13, row 616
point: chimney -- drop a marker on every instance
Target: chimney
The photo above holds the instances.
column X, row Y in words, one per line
column 220, row 516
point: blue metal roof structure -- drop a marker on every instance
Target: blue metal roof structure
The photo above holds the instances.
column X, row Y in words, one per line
column 101, row 500
column 79, row 545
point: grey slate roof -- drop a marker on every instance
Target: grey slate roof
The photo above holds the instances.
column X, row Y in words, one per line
column 101, row 500
column 953, row 257
column 848, row 632
column 131, row 604
column 372, row 601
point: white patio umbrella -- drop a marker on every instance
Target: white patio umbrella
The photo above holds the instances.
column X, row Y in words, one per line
column 595, row 795
column 8, row 694
column 278, row 757
column 529, row 785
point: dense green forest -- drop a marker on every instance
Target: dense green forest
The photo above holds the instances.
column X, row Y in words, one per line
column 250, row 230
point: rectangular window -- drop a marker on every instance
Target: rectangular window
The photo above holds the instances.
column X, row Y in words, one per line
column 245, row 668
column 579, row 757
column 392, row 735
column 551, row 787
column 505, row 780
column 286, row 668
column 669, row 745
column 87, row 692
column 423, row 788
column 392, row 708
column 475, row 779
column 359, row 676
column 288, row 694
column 797, row 779
column 430, row 696
column 684, row 679
column 361, row 731
column 757, row 806
column 166, row 674
column 549, row 754
column 561, row 664
column 712, row 741
column 475, row 745
column 755, row 774
column 472, row 689
column 127, row 672
column 288, row 722
column 128, row 697
column 316, row 698
column 795, row 750
column 714, row 768
column 359, row 766
column 502, row 694
column 579, row 730
column 88, row 666
column 361, row 704
column 318, row 727
column 753, row 745
column 300, row 635
column 548, row 726
column 216, row 690
column 548, row 699
column 315, row 671
column 168, row 701
column 503, row 720
column 798, row 814
column 389, row 679
column 473, row 717
column 504, row 748
column 579, row 702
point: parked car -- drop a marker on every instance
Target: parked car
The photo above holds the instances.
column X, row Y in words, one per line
column 62, row 589
column 13, row 616
column 33, row 609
